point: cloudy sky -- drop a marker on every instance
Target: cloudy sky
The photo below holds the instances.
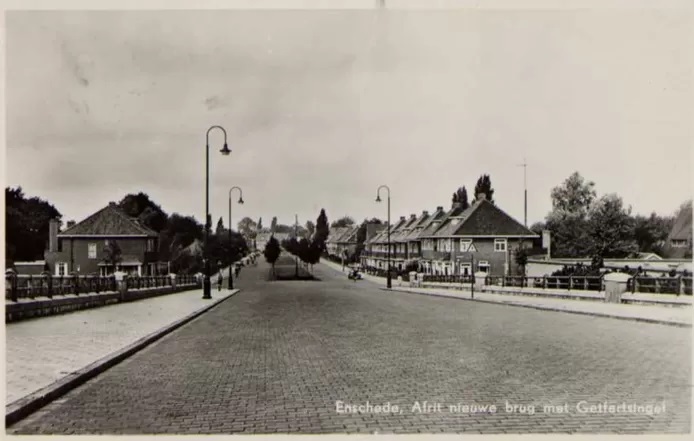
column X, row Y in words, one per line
column 322, row 107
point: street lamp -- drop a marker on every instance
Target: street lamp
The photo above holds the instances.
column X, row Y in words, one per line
column 378, row 199
column 231, row 281
column 206, row 285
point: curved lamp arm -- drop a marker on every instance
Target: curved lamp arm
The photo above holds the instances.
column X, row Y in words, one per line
column 225, row 150
column 240, row 201
column 378, row 192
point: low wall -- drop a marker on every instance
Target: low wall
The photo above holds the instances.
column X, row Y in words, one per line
column 43, row 307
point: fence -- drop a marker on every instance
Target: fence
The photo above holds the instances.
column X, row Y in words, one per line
column 32, row 286
column 638, row 284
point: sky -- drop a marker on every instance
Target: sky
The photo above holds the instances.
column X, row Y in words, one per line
column 323, row 107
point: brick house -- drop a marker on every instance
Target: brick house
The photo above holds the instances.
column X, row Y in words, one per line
column 377, row 247
column 331, row 242
column 480, row 238
column 347, row 241
column 446, row 242
column 82, row 248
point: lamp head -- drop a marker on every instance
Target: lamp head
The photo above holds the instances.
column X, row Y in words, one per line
column 225, row 151
column 240, row 200
column 378, row 198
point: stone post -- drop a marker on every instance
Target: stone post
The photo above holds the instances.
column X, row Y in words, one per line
column 121, row 284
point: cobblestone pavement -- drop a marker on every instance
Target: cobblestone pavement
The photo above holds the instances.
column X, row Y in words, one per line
column 278, row 356
column 41, row 351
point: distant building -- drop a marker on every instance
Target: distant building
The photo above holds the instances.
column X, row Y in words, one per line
column 82, row 248
column 264, row 237
column 679, row 241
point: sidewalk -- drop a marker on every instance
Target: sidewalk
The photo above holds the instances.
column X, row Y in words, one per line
column 662, row 314
column 40, row 352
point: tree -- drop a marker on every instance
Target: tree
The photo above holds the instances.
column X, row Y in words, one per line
column 259, row 226
column 310, row 228
column 344, row 221
column 460, row 196
column 575, row 195
column 484, row 185
column 302, row 250
column 611, row 228
column 272, row 252
column 568, row 220
column 220, row 230
column 651, row 232
column 142, row 207
column 26, row 226
column 113, row 254
column 521, row 258
column 273, row 224
column 247, row 226
column 322, row 230
column 314, row 253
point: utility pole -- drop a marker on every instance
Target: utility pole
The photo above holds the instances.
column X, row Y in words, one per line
column 525, row 188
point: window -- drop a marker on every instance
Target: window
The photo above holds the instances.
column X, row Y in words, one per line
column 500, row 245
column 61, row 269
column 92, row 251
column 679, row 243
column 106, row 242
column 483, row 266
column 465, row 245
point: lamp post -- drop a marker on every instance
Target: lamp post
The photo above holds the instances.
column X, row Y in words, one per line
column 231, row 278
column 378, row 199
column 206, row 285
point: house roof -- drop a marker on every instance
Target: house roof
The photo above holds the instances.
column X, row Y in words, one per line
column 432, row 223
column 350, row 235
column 334, row 234
column 647, row 256
column 382, row 237
column 417, row 226
column 682, row 228
column 109, row 221
column 438, row 221
column 483, row 219
column 405, row 229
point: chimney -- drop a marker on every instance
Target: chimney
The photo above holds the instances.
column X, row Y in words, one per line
column 439, row 208
column 413, row 216
column 481, row 196
column 53, row 227
column 70, row 224
column 402, row 218
column 425, row 213
column 111, row 204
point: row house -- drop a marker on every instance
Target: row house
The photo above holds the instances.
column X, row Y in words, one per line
column 458, row 241
column 84, row 247
column 342, row 241
column 331, row 240
column 377, row 246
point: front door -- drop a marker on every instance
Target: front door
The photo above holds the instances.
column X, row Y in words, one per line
column 465, row 269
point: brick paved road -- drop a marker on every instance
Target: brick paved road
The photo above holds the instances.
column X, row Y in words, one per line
column 277, row 357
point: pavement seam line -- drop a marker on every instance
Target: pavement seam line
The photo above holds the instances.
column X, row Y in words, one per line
column 29, row 404
column 549, row 308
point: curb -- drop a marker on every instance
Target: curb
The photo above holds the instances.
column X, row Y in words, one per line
column 23, row 407
column 548, row 308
